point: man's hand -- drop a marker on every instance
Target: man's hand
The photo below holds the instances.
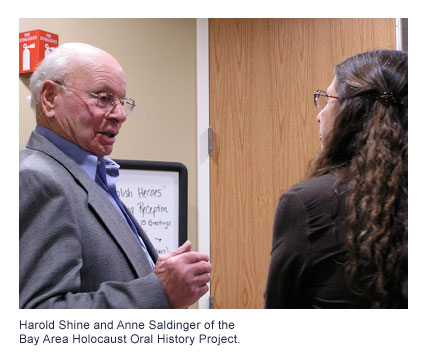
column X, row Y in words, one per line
column 184, row 275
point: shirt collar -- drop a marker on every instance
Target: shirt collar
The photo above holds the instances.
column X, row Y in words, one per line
column 87, row 161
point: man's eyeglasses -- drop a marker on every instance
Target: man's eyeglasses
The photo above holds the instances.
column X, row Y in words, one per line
column 321, row 99
column 107, row 100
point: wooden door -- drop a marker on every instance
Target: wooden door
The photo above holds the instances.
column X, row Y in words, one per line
column 263, row 73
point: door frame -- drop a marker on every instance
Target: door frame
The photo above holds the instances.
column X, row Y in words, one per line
column 203, row 123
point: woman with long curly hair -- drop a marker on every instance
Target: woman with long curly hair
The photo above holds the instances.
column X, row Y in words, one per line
column 340, row 236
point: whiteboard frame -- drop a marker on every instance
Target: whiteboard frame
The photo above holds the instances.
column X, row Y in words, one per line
column 144, row 165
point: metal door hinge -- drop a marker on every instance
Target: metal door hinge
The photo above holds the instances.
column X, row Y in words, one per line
column 210, row 141
column 211, row 303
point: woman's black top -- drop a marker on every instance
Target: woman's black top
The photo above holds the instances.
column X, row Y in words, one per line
column 308, row 249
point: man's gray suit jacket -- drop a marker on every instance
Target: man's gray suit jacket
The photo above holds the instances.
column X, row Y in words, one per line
column 76, row 250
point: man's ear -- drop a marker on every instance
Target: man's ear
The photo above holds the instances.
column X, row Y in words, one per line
column 48, row 94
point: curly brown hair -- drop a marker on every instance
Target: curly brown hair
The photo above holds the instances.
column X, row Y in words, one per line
column 367, row 150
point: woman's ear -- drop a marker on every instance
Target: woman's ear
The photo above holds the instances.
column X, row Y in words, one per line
column 48, row 95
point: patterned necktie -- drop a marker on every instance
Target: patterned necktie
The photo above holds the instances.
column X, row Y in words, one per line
column 110, row 188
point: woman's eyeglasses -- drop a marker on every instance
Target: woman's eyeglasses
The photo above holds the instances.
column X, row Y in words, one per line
column 321, row 99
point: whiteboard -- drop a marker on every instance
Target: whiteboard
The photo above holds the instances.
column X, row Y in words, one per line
column 155, row 192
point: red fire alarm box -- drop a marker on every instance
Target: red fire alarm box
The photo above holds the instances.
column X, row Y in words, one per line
column 34, row 46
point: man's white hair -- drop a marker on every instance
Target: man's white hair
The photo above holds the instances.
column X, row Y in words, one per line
column 56, row 66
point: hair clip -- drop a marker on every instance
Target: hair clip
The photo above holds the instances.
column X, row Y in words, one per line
column 388, row 98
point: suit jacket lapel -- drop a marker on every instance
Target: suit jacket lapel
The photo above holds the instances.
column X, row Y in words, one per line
column 119, row 229
column 149, row 246
column 97, row 199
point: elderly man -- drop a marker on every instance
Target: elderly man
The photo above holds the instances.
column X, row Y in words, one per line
column 79, row 248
